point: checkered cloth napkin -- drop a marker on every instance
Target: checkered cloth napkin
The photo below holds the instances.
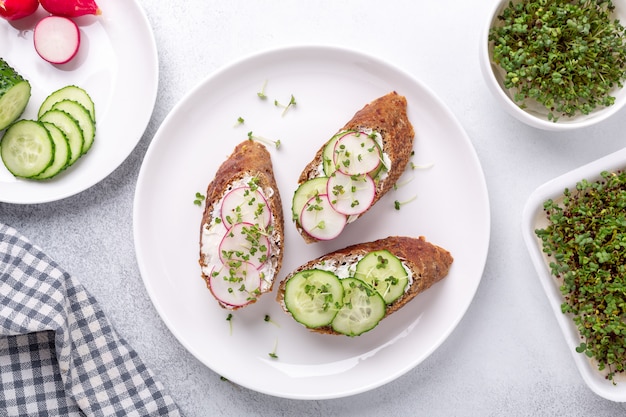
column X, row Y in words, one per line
column 59, row 355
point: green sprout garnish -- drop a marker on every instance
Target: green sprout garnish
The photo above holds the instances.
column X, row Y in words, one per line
column 273, row 354
column 292, row 102
column 397, row 204
column 261, row 94
column 268, row 319
column 262, row 139
column 382, row 262
column 414, row 166
column 199, row 199
column 229, row 319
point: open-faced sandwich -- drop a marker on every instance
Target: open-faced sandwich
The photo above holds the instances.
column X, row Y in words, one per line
column 353, row 169
column 242, row 233
column 349, row 291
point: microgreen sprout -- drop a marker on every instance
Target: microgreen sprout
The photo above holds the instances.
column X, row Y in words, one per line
column 321, row 225
column 273, row 354
column 292, row 102
column 261, row 94
column 404, row 182
column 398, row 204
column 585, row 242
column 268, row 319
column 199, row 199
column 568, row 56
column 423, row 166
column 240, row 121
column 252, row 136
column 229, row 319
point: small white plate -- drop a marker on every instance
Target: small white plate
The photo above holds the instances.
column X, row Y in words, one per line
column 533, row 219
column 329, row 85
column 116, row 64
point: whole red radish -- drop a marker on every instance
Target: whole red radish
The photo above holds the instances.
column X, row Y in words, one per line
column 17, row 9
column 70, row 8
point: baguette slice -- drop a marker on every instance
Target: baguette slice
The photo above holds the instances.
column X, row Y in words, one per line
column 248, row 166
column 427, row 263
column 386, row 115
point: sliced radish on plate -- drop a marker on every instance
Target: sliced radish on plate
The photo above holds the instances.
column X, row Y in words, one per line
column 351, row 194
column 236, row 284
column 357, row 153
column 56, row 39
column 320, row 220
column 245, row 205
column 245, row 242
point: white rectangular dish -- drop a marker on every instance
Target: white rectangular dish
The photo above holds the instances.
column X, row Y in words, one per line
column 533, row 218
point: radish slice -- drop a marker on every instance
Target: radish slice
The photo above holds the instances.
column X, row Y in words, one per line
column 244, row 205
column 351, row 194
column 357, row 153
column 56, row 39
column 235, row 285
column 245, row 242
column 320, row 220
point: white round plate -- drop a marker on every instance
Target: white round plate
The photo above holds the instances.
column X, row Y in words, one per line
column 534, row 218
column 450, row 208
column 116, row 64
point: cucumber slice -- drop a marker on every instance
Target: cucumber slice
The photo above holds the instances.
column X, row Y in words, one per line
column 313, row 297
column 26, row 148
column 305, row 192
column 328, row 154
column 81, row 115
column 70, row 92
column 70, row 127
column 14, row 94
column 385, row 273
column 61, row 152
column 363, row 308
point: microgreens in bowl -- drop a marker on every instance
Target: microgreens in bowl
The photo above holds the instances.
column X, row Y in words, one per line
column 561, row 59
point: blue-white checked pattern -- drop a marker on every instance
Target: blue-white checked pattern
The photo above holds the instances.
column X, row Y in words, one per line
column 59, row 355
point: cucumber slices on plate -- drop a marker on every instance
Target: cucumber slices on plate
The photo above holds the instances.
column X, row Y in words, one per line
column 64, row 131
column 349, row 305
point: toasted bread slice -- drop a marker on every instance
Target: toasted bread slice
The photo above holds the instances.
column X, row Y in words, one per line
column 249, row 170
column 425, row 262
column 386, row 116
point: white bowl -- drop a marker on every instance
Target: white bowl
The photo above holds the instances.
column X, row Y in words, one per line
column 538, row 117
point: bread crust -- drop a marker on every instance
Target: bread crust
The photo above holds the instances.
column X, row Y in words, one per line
column 249, row 158
column 428, row 263
column 386, row 115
